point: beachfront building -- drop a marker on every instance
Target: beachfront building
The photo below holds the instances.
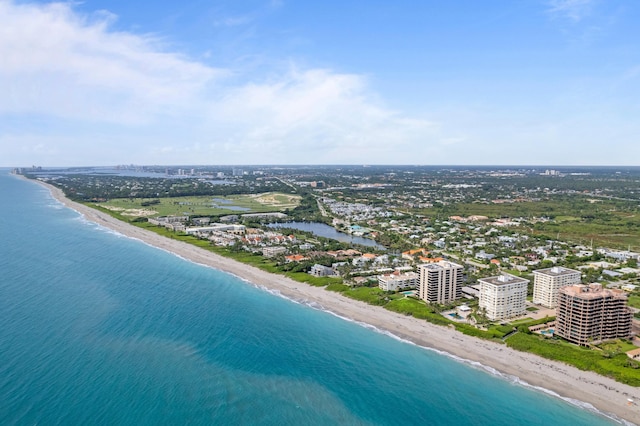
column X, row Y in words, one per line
column 273, row 251
column 216, row 227
column 440, row 282
column 503, row 297
column 590, row 314
column 397, row 281
column 318, row 270
column 547, row 282
column 274, row 215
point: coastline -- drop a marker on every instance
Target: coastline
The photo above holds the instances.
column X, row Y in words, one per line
column 603, row 393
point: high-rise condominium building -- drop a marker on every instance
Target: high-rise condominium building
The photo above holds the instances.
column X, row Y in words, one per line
column 440, row 282
column 503, row 296
column 590, row 314
column 547, row 283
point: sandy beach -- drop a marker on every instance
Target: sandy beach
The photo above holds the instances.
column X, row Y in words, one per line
column 604, row 394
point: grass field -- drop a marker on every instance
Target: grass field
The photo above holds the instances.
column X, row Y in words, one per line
column 616, row 230
column 610, row 362
column 609, row 223
column 202, row 206
column 634, row 301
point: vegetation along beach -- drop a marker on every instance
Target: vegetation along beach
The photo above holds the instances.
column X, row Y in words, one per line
column 518, row 357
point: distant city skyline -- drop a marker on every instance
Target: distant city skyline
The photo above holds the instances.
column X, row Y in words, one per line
column 543, row 82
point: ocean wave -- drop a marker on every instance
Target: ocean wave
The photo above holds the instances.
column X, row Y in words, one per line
column 319, row 307
column 278, row 293
column 51, row 201
column 474, row 364
column 91, row 224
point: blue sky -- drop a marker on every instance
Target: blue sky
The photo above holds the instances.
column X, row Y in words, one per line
column 545, row 82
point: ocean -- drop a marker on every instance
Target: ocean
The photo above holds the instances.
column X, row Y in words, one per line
column 97, row 328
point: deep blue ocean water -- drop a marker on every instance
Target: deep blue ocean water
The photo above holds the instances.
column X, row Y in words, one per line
column 96, row 328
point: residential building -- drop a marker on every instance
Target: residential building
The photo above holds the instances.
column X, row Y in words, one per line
column 168, row 220
column 612, row 274
column 620, row 256
column 273, row 251
column 440, row 243
column 398, row 281
column 409, row 254
column 295, row 258
column 547, row 282
column 484, row 256
column 275, row 215
column 470, row 292
column 344, row 253
column 440, row 282
column 590, row 314
column 503, row 296
column 174, row 219
column 175, row 226
column 201, row 221
column 216, row 227
column 318, row 270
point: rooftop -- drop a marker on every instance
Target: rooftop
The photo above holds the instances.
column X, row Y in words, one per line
column 442, row 264
column 592, row 291
column 556, row 271
column 503, row 279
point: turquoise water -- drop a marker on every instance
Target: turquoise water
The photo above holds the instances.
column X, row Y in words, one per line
column 97, row 328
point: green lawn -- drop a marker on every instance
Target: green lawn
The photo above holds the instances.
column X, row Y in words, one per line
column 615, row 365
column 618, row 346
column 370, row 295
column 610, row 223
column 202, row 206
column 416, row 308
column 634, row 301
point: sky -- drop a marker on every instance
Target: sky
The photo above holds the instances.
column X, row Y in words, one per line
column 416, row 82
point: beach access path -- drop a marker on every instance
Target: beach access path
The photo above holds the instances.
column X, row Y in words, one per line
column 568, row 382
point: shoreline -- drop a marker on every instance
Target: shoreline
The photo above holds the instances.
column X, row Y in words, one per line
column 566, row 382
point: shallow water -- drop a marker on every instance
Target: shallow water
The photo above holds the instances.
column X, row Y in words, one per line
column 99, row 328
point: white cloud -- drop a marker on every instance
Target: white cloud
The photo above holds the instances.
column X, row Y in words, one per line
column 56, row 62
column 575, row 10
column 327, row 115
column 92, row 83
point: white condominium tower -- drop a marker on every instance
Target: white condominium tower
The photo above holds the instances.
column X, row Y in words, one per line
column 440, row 282
column 547, row 283
column 503, row 296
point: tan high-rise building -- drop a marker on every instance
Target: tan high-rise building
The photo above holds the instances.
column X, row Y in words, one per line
column 590, row 314
column 503, row 297
column 547, row 283
column 440, row 282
